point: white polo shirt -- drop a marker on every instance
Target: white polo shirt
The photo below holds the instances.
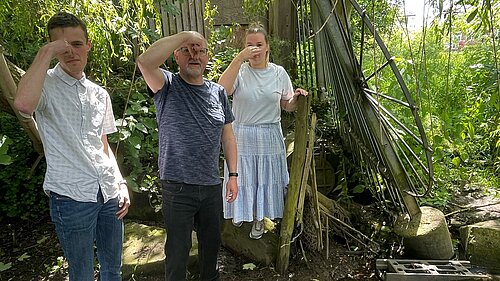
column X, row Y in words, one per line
column 72, row 115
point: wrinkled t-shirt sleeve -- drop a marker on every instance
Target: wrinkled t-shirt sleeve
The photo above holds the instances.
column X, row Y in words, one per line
column 168, row 80
column 228, row 113
column 286, row 85
column 108, row 125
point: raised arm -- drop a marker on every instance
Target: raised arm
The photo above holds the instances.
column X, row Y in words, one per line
column 229, row 75
column 29, row 89
column 150, row 61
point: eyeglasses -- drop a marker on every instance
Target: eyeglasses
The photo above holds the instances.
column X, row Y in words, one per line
column 185, row 51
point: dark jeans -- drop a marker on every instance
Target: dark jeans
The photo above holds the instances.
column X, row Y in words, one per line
column 187, row 207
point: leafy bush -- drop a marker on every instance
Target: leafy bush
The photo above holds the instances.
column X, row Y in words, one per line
column 21, row 195
column 137, row 137
column 5, row 159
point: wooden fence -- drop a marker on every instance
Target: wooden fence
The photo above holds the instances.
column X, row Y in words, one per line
column 185, row 15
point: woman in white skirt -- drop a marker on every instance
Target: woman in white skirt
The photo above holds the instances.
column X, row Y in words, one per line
column 260, row 90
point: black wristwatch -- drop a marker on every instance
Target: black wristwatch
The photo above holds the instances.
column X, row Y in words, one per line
column 233, row 174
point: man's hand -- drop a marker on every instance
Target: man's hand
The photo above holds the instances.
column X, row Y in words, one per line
column 124, row 201
column 231, row 189
column 59, row 47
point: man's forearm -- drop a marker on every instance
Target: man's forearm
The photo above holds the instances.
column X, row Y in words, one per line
column 29, row 89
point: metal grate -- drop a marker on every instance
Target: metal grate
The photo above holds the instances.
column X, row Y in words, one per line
column 413, row 270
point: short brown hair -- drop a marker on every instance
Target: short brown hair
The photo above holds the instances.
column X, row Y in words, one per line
column 64, row 19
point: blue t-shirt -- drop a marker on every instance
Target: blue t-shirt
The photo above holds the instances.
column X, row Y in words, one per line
column 190, row 121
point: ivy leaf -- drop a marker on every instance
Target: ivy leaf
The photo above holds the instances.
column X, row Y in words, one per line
column 23, row 257
column 149, row 122
column 359, row 188
column 4, row 146
column 141, row 128
column 125, row 134
column 135, row 141
column 41, row 240
column 5, row 266
column 249, row 266
column 472, row 15
column 5, row 159
column 456, row 161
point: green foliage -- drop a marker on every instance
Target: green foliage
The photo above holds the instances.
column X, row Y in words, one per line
column 5, row 266
column 457, row 101
column 454, row 85
column 114, row 28
column 222, row 52
column 255, row 10
column 5, row 159
column 460, row 85
column 21, row 195
column 137, row 137
column 118, row 30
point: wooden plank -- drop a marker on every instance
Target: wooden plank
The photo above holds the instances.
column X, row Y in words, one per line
column 229, row 12
column 282, row 24
column 199, row 6
column 165, row 21
column 184, row 16
column 178, row 17
column 192, row 15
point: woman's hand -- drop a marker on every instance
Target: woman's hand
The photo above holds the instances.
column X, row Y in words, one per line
column 248, row 53
column 300, row 92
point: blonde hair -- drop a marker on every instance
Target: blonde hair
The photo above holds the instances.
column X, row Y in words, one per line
column 255, row 28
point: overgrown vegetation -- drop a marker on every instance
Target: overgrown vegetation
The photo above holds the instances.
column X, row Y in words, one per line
column 452, row 66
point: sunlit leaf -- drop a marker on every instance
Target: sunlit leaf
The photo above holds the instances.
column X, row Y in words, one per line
column 359, row 188
column 43, row 239
column 249, row 266
column 149, row 122
column 5, row 159
column 23, row 257
column 5, row 266
column 141, row 128
column 472, row 15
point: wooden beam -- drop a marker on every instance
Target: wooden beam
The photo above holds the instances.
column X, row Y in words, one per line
column 9, row 89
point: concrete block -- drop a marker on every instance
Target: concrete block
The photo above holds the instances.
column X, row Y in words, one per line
column 426, row 236
column 143, row 251
column 482, row 244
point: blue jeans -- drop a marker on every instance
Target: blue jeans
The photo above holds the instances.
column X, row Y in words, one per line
column 187, row 207
column 78, row 226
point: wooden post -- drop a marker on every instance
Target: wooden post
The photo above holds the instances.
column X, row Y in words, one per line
column 314, row 191
column 297, row 168
column 307, row 171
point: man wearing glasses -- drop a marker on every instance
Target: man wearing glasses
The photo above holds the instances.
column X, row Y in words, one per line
column 194, row 118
